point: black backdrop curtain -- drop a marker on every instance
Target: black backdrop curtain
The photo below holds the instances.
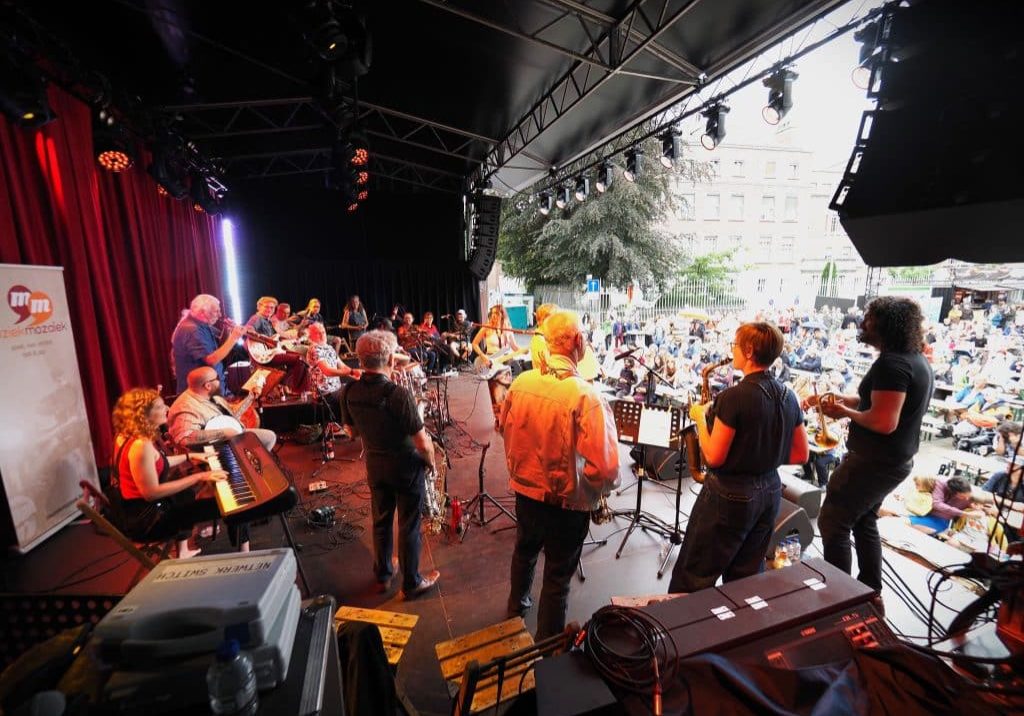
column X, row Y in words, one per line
column 296, row 242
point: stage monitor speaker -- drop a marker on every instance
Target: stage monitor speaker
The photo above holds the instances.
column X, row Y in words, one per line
column 935, row 170
column 486, row 224
column 791, row 519
column 801, row 493
column 663, row 463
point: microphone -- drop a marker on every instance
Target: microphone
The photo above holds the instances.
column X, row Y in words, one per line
column 628, row 353
column 446, row 315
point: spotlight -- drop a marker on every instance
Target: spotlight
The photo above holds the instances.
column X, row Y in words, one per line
column 168, row 168
column 868, row 37
column 360, row 149
column 545, row 202
column 23, row 95
column 670, row 146
column 634, row 164
column 605, row 176
column 562, row 196
column 342, row 174
column 714, row 129
column 362, row 177
column 582, row 188
column 339, row 36
column 203, row 197
column 362, row 196
column 780, row 95
column 352, row 207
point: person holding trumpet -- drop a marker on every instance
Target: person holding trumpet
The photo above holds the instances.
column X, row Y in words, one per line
column 885, row 426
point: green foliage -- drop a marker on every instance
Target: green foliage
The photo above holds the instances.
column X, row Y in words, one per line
column 616, row 236
column 910, row 273
column 829, row 279
column 702, row 280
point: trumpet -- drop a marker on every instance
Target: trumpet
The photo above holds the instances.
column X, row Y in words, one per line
column 603, row 513
column 823, row 438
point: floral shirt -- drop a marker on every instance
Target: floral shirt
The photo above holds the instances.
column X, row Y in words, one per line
column 324, row 383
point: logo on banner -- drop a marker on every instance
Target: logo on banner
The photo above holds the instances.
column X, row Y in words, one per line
column 28, row 304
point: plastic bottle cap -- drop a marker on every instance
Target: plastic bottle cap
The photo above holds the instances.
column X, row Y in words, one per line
column 228, row 650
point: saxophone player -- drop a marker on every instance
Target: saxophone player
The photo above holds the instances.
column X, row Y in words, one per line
column 758, row 426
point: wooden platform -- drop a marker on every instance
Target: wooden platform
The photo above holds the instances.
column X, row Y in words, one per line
column 483, row 646
column 395, row 629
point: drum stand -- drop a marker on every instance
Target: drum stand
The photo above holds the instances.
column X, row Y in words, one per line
column 479, row 501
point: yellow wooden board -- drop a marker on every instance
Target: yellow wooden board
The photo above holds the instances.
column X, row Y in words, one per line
column 452, row 668
column 476, row 639
column 376, row 616
column 484, row 698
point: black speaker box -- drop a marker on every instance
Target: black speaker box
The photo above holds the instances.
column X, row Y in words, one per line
column 568, row 685
column 791, row 518
column 485, row 235
column 801, row 493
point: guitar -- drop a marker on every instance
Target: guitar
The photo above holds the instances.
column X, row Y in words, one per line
column 242, row 416
column 498, row 364
column 264, row 351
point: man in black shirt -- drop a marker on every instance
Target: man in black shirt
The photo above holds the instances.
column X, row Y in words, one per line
column 758, row 426
column 885, row 428
column 398, row 454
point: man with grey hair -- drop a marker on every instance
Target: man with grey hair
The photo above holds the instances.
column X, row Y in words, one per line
column 563, row 458
column 195, row 343
column 398, row 455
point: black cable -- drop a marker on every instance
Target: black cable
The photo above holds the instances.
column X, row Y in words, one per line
column 63, row 583
column 91, row 577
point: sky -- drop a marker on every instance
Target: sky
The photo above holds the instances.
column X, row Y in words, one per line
column 827, row 106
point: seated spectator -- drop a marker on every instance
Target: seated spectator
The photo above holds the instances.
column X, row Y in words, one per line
column 1007, row 489
column 1007, row 434
column 951, row 498
column 811, row 360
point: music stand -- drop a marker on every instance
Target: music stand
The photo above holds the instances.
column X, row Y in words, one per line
column 646, row 426
column 322, row 407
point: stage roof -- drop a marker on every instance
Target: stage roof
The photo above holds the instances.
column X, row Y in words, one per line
column 516, row 86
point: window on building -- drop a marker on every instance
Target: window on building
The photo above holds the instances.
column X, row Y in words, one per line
column 710, row 244
column 737, row 168
column 711, row 206
column 786, row 248
column 689, row 242
column 686, row 204
column 769, row 170
column 736, row 242
column 760, row 285
column 736, row 207
column 764, row 245
column 794, row 170
column 714, row 165
column 767, row 208
column 846, row 252
column 833, row 223
column 790, row 214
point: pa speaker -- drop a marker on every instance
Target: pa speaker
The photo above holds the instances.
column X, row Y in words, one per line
column 935, row 170
column 792, row 519
column 486, row 223
column 802, row 493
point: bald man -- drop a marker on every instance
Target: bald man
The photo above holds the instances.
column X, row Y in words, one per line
column 201, row 402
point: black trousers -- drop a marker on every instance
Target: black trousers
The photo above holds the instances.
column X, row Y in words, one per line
column 394, row 489
column 560, row 533
column 854, row 496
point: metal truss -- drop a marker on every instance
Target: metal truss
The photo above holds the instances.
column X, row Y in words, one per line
column 222, row 120
column 619, row 42
column 692, row 103
column 313, row 161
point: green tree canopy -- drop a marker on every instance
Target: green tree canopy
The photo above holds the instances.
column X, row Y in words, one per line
column 617, row 236
column 702, row 280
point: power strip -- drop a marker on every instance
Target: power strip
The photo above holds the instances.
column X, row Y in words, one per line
column 319, row 486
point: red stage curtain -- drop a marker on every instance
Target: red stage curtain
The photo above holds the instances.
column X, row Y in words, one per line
column 132, row 259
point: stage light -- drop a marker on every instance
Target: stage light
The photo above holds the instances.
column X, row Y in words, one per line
column 562, row 196
column 605, row 176
column 362, row 196
column 670, row 146
column 169, row 168
column 360, row 149
column 634, row 164
column 203, row 196
column 352, row 207
column 227, row 233
column 161, row 191
column 582, row 188
column 23, row 95
column 362, row 177
column 110, row 142
column 545, row 202
column 714, row 128
column 868, row 37
column 780, row 95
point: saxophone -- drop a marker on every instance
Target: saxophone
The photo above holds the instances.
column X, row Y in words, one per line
column 435, row 500
column 694, row 459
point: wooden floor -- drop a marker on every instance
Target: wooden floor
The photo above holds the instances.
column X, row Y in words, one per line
column 474, row 573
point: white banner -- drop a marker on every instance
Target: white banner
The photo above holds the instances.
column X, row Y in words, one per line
column 45, row 448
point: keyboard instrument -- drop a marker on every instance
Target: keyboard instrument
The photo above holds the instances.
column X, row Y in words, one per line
column 256, row 487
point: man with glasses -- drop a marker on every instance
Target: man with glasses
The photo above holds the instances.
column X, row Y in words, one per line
column 196, row 342
column 201, row 402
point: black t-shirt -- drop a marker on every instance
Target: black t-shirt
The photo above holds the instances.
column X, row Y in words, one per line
column 386, row 417
column 764, row 414
column 907, row 373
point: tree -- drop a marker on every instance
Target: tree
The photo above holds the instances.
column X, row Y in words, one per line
column 701, row 281
column 829, row 279
column 617, row 236
column 910, row 273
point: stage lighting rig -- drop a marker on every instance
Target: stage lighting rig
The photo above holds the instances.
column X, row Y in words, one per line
column 605, row 176
column 169, row 167
column 780, row 95
column 867, row 36
column 111, row 143
column 23, row 94
column 338, row 35
column 634, row 163
column 582, row 187
column 714, row 127
column 670, row 146
column 207, row 193
column 562, row 196
column 545, row 201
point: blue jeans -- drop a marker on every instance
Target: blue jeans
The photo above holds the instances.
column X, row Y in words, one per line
column 404, row 492
column 560, row 533
column 852, row 500
column 729, row 531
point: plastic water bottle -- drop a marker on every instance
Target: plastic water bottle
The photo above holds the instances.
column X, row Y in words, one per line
column 231, row 682
column 793, row 549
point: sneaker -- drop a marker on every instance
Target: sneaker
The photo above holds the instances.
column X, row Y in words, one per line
column 425, row 584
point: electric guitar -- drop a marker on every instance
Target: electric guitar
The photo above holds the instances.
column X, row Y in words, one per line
column 264, row 351
column 242, row 413
column 499, row 362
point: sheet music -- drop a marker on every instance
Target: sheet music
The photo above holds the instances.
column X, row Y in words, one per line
column 655, row 428
column 257, row 380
